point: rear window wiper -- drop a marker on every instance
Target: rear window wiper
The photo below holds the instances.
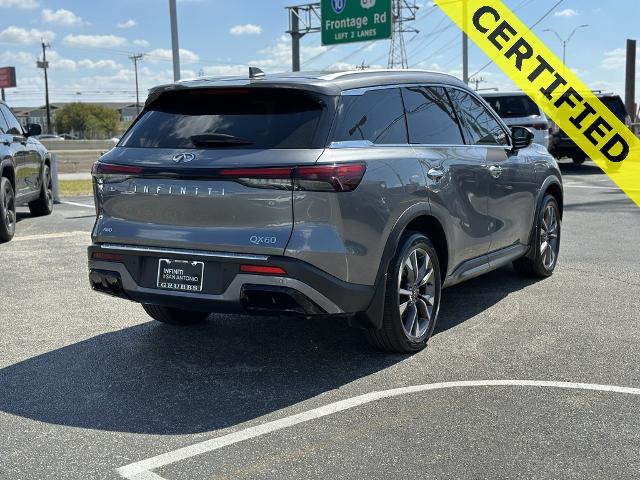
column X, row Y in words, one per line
column 218, row 139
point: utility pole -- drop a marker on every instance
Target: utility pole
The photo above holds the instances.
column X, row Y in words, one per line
column 135, row 59
column 402, row 12
column 630, row 83
column 174, row 40
column 45, row 66
column 477, row 81
column 309, row 16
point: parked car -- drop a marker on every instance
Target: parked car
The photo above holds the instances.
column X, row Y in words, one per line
column 25, row 172
column 359, row 194
column 50, row 137
column 68, row 136
column 562, row 145
column 516, row 108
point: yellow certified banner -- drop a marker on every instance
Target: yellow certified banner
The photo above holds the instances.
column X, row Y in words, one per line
column 525, row 59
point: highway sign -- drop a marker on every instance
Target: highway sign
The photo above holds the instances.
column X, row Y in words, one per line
column 347, row 21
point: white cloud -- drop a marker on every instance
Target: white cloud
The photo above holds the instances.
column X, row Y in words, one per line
column 224, row 70
column 128, row 24
column 94, row 41
column 24, row 58
column 615, row 59
column 58, row 62
column 94, row 64
column 25, row 4
column 278, row 56
column 160, row 54
column 567, row 12
column 246, row 29
column 141, row 43
column 14, row 34
column 62, row 17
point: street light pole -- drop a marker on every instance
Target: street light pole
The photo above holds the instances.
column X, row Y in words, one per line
column 174, row 40
column 564, row 43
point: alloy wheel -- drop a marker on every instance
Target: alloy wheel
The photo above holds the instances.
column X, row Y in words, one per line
column 9, row 208
column 549, row 236
column 416, row 292
column 49, row 188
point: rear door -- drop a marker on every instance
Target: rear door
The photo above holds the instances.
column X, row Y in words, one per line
column 512, row 187
column 211, row 169
column 458, row 184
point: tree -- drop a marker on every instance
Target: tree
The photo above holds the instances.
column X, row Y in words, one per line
column 87, row 120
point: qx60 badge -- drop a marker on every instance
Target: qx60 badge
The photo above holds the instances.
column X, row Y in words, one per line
column 184, row 157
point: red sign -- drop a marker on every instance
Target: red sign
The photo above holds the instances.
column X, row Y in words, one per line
column 7, row 77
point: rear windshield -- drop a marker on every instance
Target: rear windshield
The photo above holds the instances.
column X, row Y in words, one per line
column 513, row 106
column 616, row 106
column 232, row 118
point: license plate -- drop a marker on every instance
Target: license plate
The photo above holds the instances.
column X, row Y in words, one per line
column 182, row 275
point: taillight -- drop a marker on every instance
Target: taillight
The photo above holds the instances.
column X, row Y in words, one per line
column 100, row 168
column 339, row 178
column 540, row 126
column 109, row 257
column 262, row 269
column 318, row 178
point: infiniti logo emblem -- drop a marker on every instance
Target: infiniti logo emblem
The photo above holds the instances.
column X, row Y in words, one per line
column 184, row 157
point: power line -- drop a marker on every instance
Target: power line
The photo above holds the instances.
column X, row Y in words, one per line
column 547, row 13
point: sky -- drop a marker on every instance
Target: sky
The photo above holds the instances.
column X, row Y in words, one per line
column 91, row 42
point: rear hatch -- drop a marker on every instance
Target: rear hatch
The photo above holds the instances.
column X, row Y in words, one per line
column 211, row 169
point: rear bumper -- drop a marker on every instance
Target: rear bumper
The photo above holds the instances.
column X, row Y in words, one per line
column 304, row 290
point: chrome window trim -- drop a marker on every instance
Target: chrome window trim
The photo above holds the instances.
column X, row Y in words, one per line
column 172, row 251
column 356, row 92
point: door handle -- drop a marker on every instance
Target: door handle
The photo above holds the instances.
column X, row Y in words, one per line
column 435, row 174
column 495, row 171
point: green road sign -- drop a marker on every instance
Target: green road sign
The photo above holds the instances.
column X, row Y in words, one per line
column 347, row 21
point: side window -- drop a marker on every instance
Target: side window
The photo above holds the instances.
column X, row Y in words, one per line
column 378, row 116
column 479, row 126
column 14, row 127
column 430, row 117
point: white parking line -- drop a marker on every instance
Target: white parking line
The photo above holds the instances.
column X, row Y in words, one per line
column 75, row 204
column 142, row 470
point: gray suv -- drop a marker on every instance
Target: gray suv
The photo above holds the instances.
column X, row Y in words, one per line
column 25, row 172
column 359, row 194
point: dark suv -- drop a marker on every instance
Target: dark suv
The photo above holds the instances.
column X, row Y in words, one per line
column 561, row 144
column 360, row 194
column 25, row 172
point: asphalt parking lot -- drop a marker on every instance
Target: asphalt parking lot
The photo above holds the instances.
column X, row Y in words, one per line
column 91, row 388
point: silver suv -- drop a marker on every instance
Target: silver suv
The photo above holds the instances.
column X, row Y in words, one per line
column 360, row 194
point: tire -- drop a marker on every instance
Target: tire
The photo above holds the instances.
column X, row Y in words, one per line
column 43, row 205
column 174, row 316
column 547, row 231
column 7, row 210
column 579, row 160
column 396, row 334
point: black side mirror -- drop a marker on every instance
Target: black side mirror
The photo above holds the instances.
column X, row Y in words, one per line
column 521, row 137
column 33, row 129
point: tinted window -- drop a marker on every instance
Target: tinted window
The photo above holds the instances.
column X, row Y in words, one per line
column 13, row 126
column 480, row 128
column 430, row 116
column 378, row 116
column 513, row 106
column 616, row 106
column 231, row 118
